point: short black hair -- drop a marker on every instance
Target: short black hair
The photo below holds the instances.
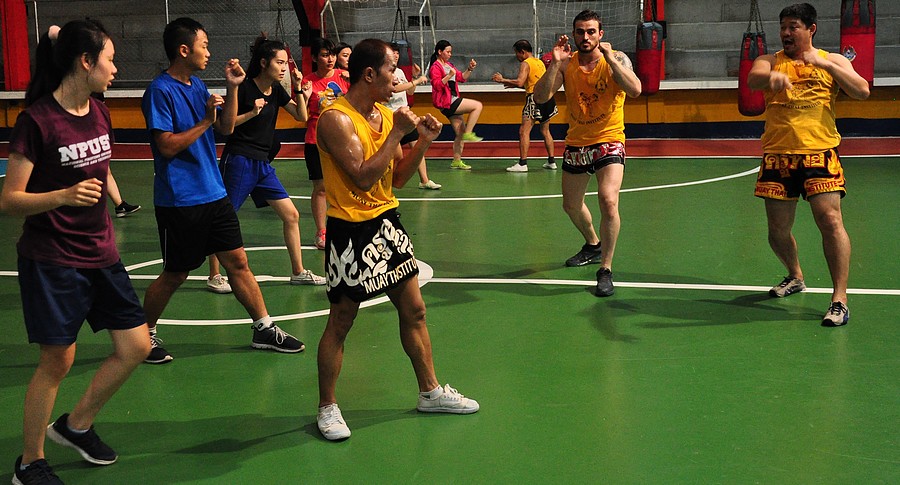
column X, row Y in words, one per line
column 588, row 15
column 522, row 45
column 367, row 53
column 803, row 11
column 181, row 31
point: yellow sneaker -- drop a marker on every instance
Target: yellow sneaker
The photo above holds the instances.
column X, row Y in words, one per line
column 459, row 165
column 471, row 136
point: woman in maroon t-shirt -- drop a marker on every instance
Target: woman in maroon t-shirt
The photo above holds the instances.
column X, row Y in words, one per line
column 69, row 267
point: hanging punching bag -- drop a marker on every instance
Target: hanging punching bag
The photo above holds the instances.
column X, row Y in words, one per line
column 405, row 63
column 751, row 102
column 858, row 36
column 649, row 53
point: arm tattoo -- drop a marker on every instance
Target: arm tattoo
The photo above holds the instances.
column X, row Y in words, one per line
column 624, row 60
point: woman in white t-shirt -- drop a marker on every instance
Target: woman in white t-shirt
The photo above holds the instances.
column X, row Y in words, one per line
column 403, row 88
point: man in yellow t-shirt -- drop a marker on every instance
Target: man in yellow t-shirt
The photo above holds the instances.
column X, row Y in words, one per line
column 530, row 70
column 800, row 150
column 367, row 251
column 597, row 79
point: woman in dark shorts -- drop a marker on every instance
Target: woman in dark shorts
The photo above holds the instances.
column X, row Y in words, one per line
column 69, row 267
column 445, row 79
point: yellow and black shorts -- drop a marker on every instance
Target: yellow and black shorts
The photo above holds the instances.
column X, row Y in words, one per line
column 790, row 176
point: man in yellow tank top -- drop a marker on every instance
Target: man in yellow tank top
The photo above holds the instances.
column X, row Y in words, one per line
column 530, row 70
column 597, row 79
column 367, row 251
column 800, row 150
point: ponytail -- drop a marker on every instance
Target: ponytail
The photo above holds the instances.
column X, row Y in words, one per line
column 56, row 60
column 262, row 48
column 46, row 76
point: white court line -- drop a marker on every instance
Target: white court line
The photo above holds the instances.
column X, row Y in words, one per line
column 552, row 282
column 655, row 286
column 559, row 196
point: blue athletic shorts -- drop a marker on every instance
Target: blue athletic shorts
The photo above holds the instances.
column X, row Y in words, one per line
column 56, row 301
column 245, row 177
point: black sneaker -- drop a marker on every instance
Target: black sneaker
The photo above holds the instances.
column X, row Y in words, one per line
column 158, row 355
column 37, row 473
column 125, row 209
column 604, row 283
column 838, row 315
column 87, row 444
column 588, row 254
column 274, row 338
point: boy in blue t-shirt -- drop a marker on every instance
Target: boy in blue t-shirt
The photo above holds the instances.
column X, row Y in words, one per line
column 193, row 213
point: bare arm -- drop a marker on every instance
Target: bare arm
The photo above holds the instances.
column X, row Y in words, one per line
column 337, row 137
column 762, row 76
column 469, row 69
column 17, row 202
column 429, row 128
column 518, row 82
column 842, row 71
column 622, row 70
column 553, row 79
column 171, row 144
column 234, row 76
column 258, row 105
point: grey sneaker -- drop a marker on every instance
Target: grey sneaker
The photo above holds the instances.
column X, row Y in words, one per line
column 274, row 338
column 588, row 254
column 838, row 315
column 430, row 185
column 307, row 277
column 550, row 165
column 218, row 284
column 450, row 401
column 788, row 286
column 604, row 283
column 332, row 424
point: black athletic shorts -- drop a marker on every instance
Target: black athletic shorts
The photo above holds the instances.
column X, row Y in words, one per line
column 313, row 161
column 540, row 113
column 790, row 176
column 187, row 235
column 365, row 259
column 451, row 111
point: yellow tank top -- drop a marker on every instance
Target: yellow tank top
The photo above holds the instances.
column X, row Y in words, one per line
column 536, row 69
column 346, row 201
column 801, row 120
column 595, row 104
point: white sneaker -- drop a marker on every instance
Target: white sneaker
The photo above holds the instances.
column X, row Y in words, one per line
column 307, row 277
column 550, row 165
column 218, row 284
column 430, row 185
column 331, row 423
column 450, row 401
column 517, row 168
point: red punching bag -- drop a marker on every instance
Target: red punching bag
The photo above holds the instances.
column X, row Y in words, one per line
column 650, row 37
column 751, row 102
column 858, row 36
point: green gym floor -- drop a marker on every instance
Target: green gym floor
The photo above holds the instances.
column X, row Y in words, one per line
column 690, row 374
